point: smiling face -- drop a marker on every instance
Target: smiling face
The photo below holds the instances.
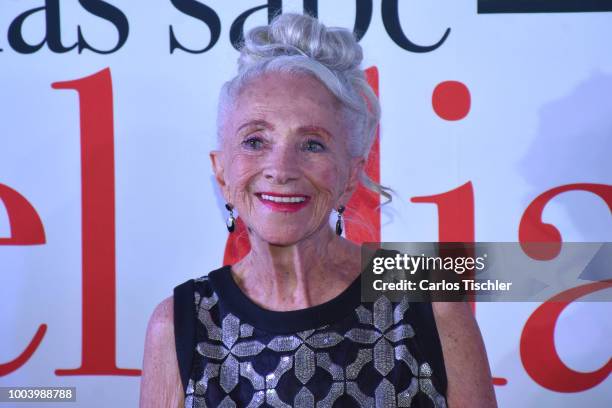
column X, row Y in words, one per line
column 285, row 162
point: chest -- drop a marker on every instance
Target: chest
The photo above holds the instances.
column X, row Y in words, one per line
column 371, row 357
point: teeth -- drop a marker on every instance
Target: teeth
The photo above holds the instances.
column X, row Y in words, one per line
column 283, row 199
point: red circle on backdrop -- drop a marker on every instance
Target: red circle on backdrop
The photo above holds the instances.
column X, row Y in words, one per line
column 451, row 100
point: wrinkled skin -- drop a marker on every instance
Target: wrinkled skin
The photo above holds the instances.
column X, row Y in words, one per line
column 285, row 134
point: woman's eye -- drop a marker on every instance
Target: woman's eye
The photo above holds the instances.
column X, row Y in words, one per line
column 314, row 146
column 253, row 143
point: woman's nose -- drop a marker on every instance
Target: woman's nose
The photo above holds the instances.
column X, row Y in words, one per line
column 282, row 165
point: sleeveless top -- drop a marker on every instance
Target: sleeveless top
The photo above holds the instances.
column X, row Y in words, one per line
column 342, row 353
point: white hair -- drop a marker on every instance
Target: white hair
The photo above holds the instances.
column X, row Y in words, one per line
column 296, row 43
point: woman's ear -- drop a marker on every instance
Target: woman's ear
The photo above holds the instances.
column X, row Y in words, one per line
column 357, row 166
column 216, row 160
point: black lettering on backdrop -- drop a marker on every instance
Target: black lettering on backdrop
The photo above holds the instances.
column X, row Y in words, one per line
column 390, row 16
column 363, row 15
column 542, row 6
column 53, row 31
column 109, row 13
column 237, row 29
column 201, row 12
column 311, row 7
column 207, row 15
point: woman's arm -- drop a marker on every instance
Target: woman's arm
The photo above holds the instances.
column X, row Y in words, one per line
column 465, row 358
column 160, row 385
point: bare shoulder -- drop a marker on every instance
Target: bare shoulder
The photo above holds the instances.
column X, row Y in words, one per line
column 464, row 356
column 163, row 314
column 160, row 383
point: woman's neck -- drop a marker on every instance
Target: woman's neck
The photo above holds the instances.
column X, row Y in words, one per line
column 297, row 276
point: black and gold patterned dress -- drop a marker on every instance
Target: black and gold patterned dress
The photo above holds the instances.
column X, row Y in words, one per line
column 342, row 353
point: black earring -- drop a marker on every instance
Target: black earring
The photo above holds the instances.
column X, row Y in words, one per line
column 231, row 221
column 340, row 210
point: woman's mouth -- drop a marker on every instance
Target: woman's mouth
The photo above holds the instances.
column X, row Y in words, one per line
column 283, row 202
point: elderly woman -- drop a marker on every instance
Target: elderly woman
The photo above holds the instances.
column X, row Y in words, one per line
column 284, row 326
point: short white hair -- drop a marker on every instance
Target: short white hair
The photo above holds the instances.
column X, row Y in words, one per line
column 296, row 43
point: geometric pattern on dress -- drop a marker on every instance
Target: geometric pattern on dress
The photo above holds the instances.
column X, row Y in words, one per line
column 305, row 344
column 229, row 347
column 382, row 333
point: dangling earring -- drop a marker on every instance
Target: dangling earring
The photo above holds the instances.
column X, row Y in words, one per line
column 340, row 210
column 231, row 221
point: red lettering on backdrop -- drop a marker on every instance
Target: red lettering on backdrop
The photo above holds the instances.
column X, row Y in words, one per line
column 26, row 229
column 363, row 212
column 362, row 216
column 23, row 358
column 456, row 223
column 455, row 216
column 26, row 226
column 538, row 352
column 237, row 244
column 533, row 229
column 455, row 213
column 98, row 225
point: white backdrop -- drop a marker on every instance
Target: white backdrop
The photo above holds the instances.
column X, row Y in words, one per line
column 540, row 117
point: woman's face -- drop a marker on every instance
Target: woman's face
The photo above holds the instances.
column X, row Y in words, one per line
column 285, row 162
